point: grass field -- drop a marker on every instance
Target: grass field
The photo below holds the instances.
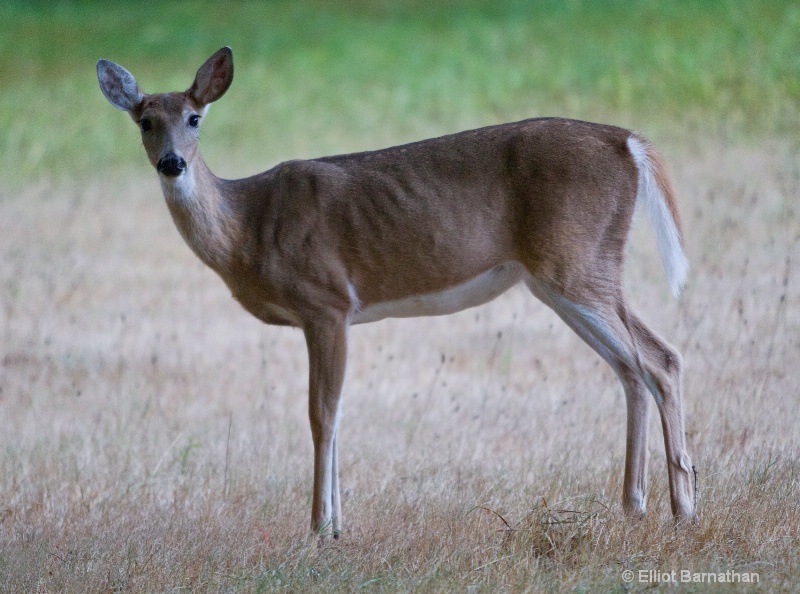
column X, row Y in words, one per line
column 154, row 436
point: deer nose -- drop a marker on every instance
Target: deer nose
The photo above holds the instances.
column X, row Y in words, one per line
column 171, row 165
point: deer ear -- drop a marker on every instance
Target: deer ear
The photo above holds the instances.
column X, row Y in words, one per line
column 213, row 78
column 118, row 85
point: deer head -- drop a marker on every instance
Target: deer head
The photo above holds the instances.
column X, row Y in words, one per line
column 169, row 122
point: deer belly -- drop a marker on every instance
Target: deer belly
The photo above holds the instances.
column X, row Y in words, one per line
column 476, row 291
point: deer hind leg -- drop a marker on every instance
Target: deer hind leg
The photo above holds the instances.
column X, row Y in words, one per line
column 643, row 362
column 327, row 353
column 336, row 499
column 661, row 369
column 637, row 399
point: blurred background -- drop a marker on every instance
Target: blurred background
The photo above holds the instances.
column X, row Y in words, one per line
column 315, row 78
column 153, row 435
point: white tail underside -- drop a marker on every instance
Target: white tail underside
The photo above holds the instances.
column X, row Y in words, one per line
column 651, row 198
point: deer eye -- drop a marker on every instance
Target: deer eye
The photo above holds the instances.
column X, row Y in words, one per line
column 145, row 124
column 194, row 120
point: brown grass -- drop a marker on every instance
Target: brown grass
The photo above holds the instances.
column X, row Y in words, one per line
column 154, row 436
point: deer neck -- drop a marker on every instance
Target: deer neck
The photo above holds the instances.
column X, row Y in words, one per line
column 202, row 213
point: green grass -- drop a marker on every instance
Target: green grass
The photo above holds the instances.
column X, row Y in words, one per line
column 314, row 79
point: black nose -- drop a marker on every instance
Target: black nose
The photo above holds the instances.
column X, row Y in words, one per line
column 171, row 165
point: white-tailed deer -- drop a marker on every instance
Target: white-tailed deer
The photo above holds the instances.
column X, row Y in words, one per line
column 430, row 228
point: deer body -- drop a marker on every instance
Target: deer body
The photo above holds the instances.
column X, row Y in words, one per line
column 370, row 225
column 429, row 228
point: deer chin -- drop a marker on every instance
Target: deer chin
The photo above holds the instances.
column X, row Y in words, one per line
column 178, row 187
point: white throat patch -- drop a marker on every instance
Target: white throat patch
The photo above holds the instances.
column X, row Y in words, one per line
column 180, row 188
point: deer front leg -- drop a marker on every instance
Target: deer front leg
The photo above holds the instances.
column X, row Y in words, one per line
column 326, row 338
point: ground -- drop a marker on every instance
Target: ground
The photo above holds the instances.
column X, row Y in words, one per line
column 156, row 436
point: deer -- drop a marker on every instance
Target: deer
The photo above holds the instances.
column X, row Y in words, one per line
column 425, row 229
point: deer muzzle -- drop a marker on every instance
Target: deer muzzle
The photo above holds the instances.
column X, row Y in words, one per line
column 171, row 165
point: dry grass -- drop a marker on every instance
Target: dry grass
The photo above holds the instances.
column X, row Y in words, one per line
column 154, row 436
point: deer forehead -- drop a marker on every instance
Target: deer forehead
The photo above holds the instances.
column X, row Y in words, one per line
column 168, row 107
